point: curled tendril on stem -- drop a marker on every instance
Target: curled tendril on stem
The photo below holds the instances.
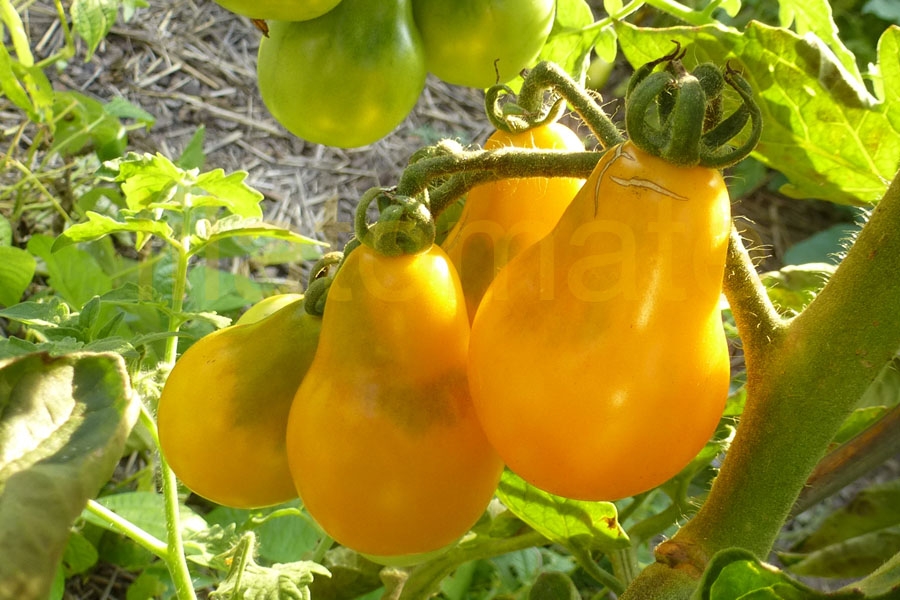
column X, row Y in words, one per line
column 320, row 277
column 546, row 90
column 404, row 225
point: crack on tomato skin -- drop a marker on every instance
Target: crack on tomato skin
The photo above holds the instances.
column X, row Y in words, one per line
column 619, row 153
column 647, row 184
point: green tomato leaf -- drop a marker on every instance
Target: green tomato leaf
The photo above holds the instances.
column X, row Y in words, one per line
column 821, row 128
column 208, row 547
column 572, row 523
column 154, row 181
column 553, row 585
column 569, row 44
column 815, row 16
column 12, row 88
column 230, row 191
column 287, row 536
column 16, row 271
column 79, row 555
column 154, row 582
column 146, row 179
column 352, row 575
column 193, row 156
column 5, row 232
column 92, row 20
column 858, row 421
column 883, row 582
column 855, row 557
column 220, row 291
column 794, row 286
column 48, row 312
column 888, row 84
column 731, row 7
column 736, row 574
column 612, row 6
column 236, row 226
column 826, row 246
column 247, row 579
column 121, row 108
column 17, row 33
column 873, row 509
column 129, row 7
column 886, row 10
column 74, row 274
column 63, row 425
column 885, row 390
column 78, row 119
column 98, row 226
column 27, row 87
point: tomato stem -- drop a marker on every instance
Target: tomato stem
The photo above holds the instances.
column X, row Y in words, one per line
column 804, row 376
column 757, row 319
column 625, row 564
column 133, row 532
column 424, row 578
column 468, row 168
column 531, row 108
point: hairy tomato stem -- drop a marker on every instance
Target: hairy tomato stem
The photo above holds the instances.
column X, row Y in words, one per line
column 804, row 377
column 488, row 165
column 802, row 383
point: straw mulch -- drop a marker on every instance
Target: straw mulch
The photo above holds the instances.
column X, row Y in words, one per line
column 191, row 63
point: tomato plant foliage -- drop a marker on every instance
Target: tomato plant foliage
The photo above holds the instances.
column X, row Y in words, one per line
column 139, row 428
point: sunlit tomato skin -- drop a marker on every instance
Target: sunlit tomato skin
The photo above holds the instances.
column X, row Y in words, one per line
column 223, row 409
column 478, row 43
column 266, row 307
column 281, row 10
column 598, row 363
column 384, row 446
column 347, row 78
column 502, row 218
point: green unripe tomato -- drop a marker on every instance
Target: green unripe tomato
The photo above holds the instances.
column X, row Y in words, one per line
column 465, row 39
column 347, row 78
column 281, row 10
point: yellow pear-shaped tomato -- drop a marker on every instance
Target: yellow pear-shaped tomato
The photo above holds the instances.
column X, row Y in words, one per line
column 223, row 409
column 383, row 442
column 598, row 363
column 502, row 218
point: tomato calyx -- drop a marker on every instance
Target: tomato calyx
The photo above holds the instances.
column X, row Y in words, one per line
column 404, row 225
column 677, row 115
